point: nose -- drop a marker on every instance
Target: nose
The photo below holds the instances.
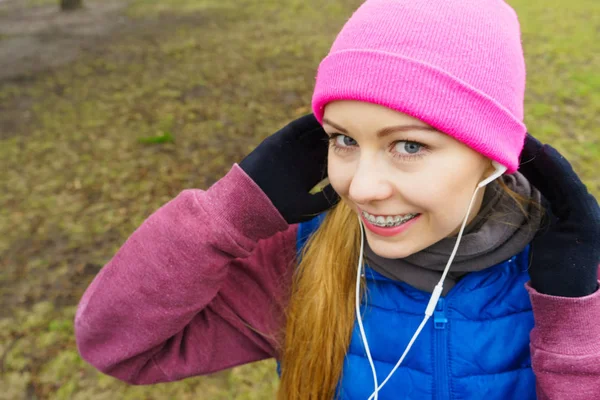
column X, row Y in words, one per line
column 369, row 183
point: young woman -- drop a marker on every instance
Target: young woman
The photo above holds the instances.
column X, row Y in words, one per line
column 481, row 244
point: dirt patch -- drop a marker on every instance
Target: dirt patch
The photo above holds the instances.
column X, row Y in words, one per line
column 37, row 38
column 34, row 39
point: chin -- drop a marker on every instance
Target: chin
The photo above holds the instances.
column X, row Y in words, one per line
column 393, row 250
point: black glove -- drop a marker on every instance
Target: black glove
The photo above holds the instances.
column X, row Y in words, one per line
column 566, row 251
column 288, row 164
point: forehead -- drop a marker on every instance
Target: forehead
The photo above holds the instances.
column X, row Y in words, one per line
column 360, row 113
column 361, row 118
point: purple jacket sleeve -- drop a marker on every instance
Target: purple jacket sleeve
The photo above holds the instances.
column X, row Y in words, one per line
column 199, row 287
column 565, row 346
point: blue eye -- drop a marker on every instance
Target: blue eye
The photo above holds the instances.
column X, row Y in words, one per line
column 409, row 147
column 345, row 141
column 409, row 150
column 342, row 143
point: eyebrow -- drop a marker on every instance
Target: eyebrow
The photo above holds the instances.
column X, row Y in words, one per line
column 388, row 130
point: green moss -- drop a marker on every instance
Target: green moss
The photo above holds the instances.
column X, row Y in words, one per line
column 166, row 137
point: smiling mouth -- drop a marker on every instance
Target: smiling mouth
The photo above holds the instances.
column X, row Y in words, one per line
column 389, row 221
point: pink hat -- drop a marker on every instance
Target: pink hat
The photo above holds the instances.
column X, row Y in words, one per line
column 457, row 65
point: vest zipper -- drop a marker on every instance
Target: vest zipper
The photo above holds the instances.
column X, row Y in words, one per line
column 441, row 377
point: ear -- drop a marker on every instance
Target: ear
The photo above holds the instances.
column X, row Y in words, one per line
column 489, row 171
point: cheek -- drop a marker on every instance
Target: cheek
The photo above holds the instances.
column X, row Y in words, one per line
column 444, row 198
column 340, row 175
column 447, row 180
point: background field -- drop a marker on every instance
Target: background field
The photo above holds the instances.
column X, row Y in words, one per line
column 108, row 113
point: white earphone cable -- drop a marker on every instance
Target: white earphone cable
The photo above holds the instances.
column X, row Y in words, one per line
column 433, row 300
column 357, row 307
column 435, row 296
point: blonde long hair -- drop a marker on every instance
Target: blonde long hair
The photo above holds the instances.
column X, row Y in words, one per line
column 320, row 314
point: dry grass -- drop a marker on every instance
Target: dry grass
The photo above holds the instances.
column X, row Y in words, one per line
column 91, row 149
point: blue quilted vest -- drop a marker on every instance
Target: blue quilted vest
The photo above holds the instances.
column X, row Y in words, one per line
column 476, row 345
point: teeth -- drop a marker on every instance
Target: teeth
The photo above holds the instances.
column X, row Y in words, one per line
column 388, row 221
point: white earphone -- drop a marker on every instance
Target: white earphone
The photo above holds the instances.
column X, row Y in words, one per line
column 435, row 296
column 499, row 170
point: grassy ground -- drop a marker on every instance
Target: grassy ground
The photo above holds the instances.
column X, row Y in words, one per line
column 89, row 150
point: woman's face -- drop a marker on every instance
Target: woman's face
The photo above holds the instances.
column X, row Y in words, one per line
column 389, row 164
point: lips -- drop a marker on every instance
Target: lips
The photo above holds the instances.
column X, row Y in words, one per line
column 391, row 231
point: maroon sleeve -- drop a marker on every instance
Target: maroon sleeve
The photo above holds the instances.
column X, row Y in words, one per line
column 565, row 346
column 197, row 288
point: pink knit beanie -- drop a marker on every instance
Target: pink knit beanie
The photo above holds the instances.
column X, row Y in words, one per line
column 455, row 64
